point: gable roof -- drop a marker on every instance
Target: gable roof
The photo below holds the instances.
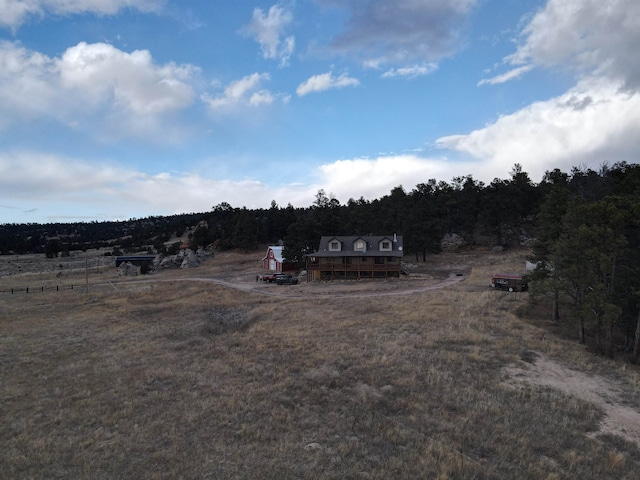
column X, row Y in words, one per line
column 373, row 246
column 277, row 253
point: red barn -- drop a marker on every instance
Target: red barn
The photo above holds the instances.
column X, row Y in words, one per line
column 273, row 260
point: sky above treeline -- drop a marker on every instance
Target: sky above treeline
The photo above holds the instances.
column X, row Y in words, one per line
column 115, row 109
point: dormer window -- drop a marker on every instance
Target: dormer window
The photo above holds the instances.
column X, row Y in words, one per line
column 334, row 246
column 360, row 246
column 385, row 246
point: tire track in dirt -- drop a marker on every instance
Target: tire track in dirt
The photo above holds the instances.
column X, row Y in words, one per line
column 296, row 292
column 620, row 419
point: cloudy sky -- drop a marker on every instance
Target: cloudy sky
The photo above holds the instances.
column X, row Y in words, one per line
column 113, row 109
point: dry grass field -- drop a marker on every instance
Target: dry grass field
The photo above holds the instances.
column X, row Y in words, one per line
column 206, row 373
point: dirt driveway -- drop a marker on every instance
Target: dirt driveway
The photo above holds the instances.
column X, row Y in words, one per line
column 422, row 277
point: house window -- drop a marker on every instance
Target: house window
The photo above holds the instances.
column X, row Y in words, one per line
column 385, row 245
column 359, row 246
column 334, row 245
column 379, row 261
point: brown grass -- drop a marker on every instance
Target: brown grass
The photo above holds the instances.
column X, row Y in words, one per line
column 161, row 377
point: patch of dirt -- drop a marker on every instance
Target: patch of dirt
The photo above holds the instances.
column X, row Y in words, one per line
column 620, row 419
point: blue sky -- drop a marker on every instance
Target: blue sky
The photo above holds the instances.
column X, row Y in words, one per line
column 114, row 109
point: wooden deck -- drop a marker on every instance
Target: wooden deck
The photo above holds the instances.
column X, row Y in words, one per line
column 346, row 271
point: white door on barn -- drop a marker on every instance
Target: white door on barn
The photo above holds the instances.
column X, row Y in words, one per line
column 272, row 264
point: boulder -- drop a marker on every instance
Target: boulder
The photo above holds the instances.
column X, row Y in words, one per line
column 193, row 259
column 452, row 242
column 170, row 261
column 190, row 259
column 128, row 269
column 186, row 258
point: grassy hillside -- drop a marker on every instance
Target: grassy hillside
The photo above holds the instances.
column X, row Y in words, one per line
column 162, row 377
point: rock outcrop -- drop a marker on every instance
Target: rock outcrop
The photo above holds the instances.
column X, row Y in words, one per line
column 128, row 269
column 187, row 258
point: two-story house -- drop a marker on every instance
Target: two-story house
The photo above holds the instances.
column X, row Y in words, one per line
column 355, row 257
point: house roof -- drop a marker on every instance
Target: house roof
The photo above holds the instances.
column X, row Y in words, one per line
column 348, row 241
column 277, row 253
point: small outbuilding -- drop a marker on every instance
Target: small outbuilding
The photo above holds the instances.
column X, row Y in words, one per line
column 274, row 261
column 137, row 260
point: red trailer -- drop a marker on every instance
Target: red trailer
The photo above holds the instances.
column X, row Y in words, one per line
column 514, row 282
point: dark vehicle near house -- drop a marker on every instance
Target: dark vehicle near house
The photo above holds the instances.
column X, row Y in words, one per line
column 285, row 279
column 513, row 282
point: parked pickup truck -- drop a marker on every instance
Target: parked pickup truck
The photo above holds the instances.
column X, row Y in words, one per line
column 284, row 279
column 269, row 278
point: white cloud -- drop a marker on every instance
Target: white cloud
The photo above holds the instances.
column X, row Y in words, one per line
column 35, row 181
column 91, row 79
column 131, row 79
column 268, row 30
column 246, row 91
column 27, row 84
column 592, row 123
column 326, row 81
column 14, row 13
column 53, row 187
column 411, row 71
column 590, row 36
column 401, row 31
column 193, row 193
column 373, row 178
column 505, row 77
column 45, row 177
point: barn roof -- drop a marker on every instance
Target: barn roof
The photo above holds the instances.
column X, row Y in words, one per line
column 348, row 243
column 277, row 253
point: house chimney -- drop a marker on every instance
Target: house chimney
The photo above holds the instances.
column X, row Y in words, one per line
column 395, row 238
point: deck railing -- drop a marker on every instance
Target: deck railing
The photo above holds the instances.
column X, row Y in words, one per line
column 367, row 267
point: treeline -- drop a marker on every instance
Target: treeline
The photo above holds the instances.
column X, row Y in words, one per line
column 60, row 238
column 587, row 256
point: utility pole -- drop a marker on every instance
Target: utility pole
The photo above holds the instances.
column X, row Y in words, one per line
column 86, row 270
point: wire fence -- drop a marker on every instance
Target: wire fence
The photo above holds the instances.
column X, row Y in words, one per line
column 41, row 289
